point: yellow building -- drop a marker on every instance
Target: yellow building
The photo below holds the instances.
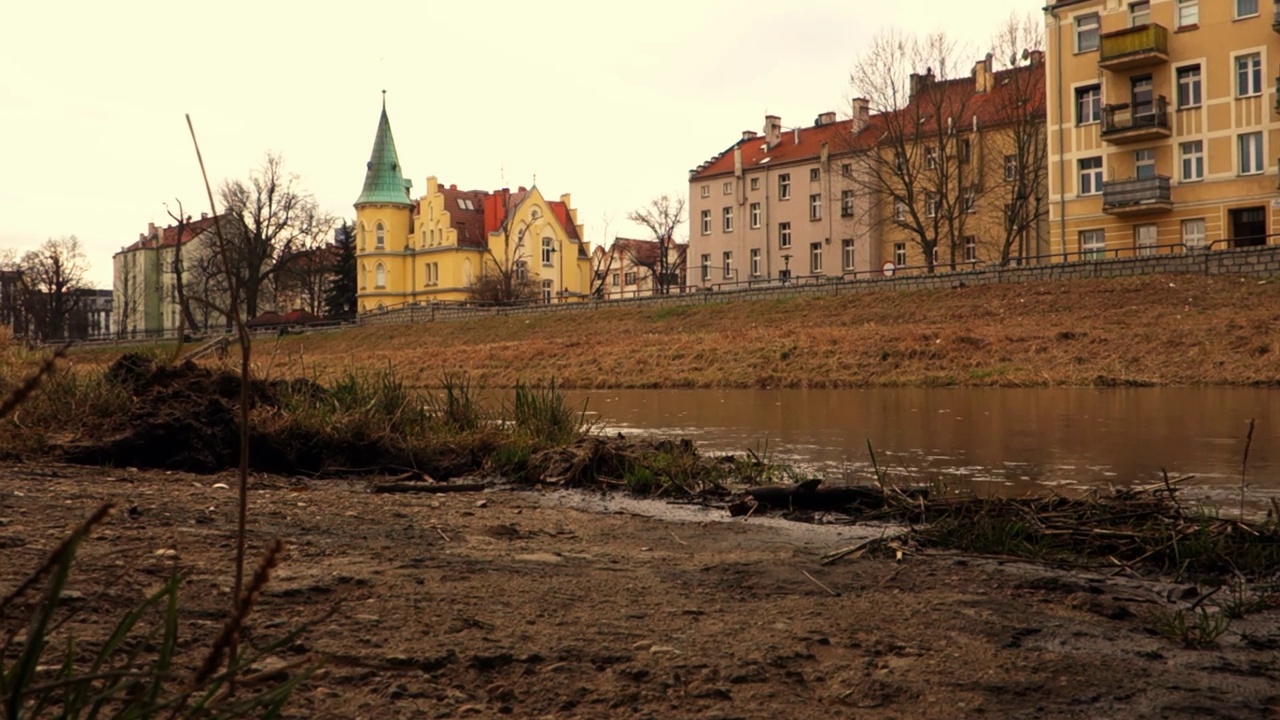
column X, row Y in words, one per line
column 454, row 245
column 1162, row 125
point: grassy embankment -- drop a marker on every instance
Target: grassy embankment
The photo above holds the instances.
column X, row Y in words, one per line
column 1168, row 330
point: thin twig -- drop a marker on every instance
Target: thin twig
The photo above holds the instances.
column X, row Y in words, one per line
column 1244, row 464
column 819, row 584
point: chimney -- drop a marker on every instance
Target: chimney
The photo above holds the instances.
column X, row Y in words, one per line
column 749, row 135
column 861, row 114
column 204, row 216
column 796, row 134
column 825, row 118
column 453, row 187
column 920, row 82
column 1036, row 57
column 982, row 75
column 772, row 130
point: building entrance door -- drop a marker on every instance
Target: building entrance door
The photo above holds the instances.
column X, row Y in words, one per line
column 1249, row 227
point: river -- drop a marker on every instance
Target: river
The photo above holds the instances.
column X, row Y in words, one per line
column 997, row 441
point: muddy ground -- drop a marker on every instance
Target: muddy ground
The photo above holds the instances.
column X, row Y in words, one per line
column 541, row 605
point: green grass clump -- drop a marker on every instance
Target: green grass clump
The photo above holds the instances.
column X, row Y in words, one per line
column 543, row 416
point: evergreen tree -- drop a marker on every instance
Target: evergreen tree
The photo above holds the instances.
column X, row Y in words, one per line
column 340, row 298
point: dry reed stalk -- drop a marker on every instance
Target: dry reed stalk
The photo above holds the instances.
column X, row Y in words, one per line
column 31, row 383
column 242, row 332
column 54, row 557
column 1244, row 464
column 228, row 638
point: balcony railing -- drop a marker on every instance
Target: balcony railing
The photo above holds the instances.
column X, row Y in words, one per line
column 1137, row 196
column 1131, row 122
column 1134, row 47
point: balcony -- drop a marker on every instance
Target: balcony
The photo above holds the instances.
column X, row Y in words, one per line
column 1138, row 196
column 1135, row 47
column 1128, row 122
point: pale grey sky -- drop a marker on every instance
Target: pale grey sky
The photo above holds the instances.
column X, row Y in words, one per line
column 611, row 102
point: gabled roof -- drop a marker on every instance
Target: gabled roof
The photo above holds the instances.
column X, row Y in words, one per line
column 990, row 108
column 466, row 214
column 383, row 182
column 169, row 236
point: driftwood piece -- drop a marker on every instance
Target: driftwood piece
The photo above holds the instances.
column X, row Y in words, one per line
column 811, row 495
column 434, row 489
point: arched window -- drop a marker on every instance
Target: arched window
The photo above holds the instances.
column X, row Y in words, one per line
column 381, row 239
column 466, row 270
column 380, row 276
column 363, row 232
column 534, row 214
column 364, row 276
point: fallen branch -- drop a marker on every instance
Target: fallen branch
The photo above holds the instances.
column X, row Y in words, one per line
column 819, row 584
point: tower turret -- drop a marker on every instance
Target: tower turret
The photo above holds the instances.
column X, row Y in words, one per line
column 384, row 184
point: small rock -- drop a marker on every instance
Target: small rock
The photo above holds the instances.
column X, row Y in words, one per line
column 166, row 553
column 663, row 650
column 482, row 503
column 642, row 646
column 221, row 486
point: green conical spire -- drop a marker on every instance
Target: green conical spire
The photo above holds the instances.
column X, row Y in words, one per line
column 383, row 183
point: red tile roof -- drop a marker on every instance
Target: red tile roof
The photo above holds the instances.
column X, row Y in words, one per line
column 168, row 237
column 991, row 108
column 466, row 217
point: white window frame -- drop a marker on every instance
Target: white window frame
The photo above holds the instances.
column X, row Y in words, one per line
column 755, row 183
column 815, row 258
column 815, row 207
column 1251, row 158
column 1194, row 85
column 1095, row 105
column 815, row 174
column 784, row 186
column 1248, row 78
column 1188, row 13
column 706, row 266
column 547, row 287
column 1144, row 158
column 706, row 190
column 1191, row 164
column 1093, row 244
column 728, row 264
column 1139, row 10
column 900, row 254
column 755, row 262
column 930, row 204
column 728, row 187
column 548, row 250
column 969, row 199
column 380, row 236
column 899, row 211
column 970, row 248
column 380, row 276
column 755, row 215
column 1010, row 168
column 1257, row 9
column 1145, row 238
column 1092, row 174
column 726, row 217
column 1193, row 233
column 849, row 253
column 930, row 157
column 846, row 203
column 784, row 235
column 706, row 222
column 1088, row 22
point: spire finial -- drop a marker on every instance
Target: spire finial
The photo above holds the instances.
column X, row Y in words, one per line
column 384, row 99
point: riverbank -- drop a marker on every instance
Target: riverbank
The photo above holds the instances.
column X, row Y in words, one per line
column 1156, row 330
column 558, row 605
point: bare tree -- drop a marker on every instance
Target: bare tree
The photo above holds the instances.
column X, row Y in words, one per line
column 177, row 268
column 127, row 292
column 919, row 169
column 505, row 279
column 267, row 219
column 304, row 279
column 602, row 263
column 52, row 280
column 1021, row 145
column 662, row 217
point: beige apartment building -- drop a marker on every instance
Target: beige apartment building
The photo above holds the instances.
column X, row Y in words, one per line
column 1162, row 125
column 636, row 268
column 866, row 196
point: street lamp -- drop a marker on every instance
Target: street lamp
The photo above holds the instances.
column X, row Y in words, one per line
column 786, row 267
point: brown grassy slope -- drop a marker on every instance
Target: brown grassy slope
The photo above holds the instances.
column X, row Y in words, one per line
column 1173, row 330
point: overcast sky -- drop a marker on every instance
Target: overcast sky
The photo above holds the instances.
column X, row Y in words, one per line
column 611, row 102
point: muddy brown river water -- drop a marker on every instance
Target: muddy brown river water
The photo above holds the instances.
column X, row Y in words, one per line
column 1003, row 441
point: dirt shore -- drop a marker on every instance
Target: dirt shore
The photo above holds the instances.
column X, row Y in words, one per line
column 536, row 605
